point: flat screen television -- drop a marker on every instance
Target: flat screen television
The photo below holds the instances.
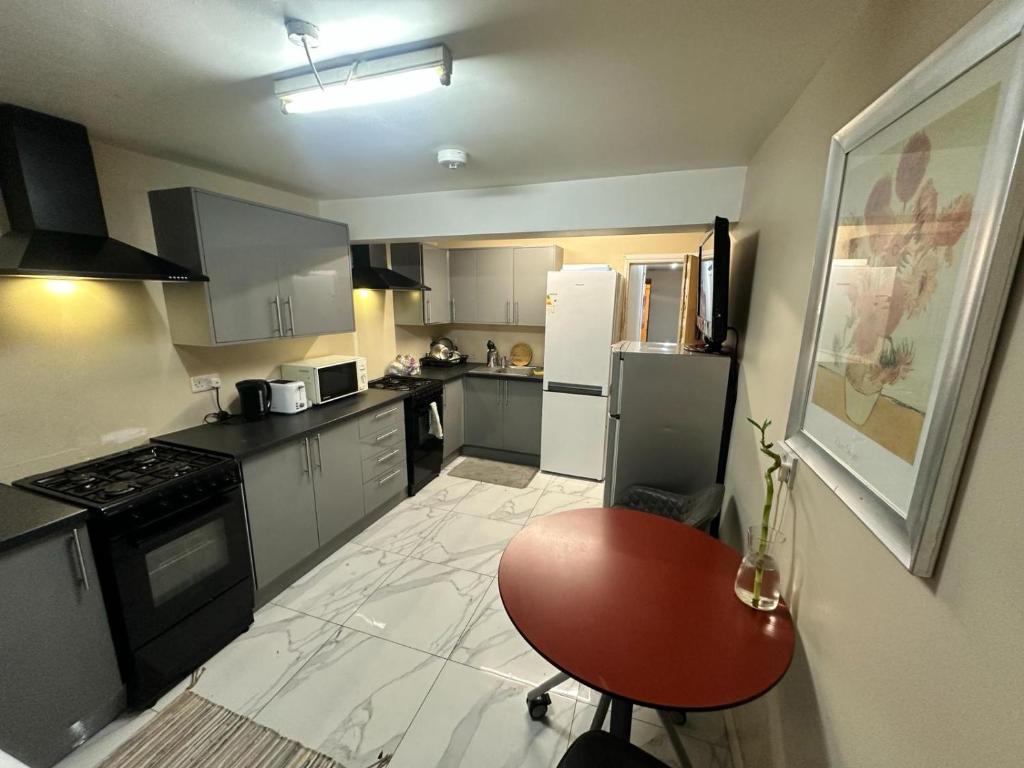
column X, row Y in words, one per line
column 713, row 296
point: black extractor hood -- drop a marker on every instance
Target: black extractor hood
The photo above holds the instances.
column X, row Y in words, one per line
column 370, row 270
column 57, row 225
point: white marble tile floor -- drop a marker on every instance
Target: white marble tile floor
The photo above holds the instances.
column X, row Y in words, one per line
column 399, row 642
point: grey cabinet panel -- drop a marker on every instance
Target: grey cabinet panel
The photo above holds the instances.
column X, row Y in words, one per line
column 484, row 411
column 337, row 476
column 453, row 417
column 522, row 418
column 241, row 249
column 437, row 308
column 281, row 505
column 387, row 486
column 494, row 280
column 531, row 267
column 462, row 283
column 59, row 672
column 375, row 422
column 316, row 277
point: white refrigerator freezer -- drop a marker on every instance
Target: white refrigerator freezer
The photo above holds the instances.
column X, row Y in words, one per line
column 581, row 324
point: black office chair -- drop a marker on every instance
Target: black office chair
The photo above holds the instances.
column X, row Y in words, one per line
column 599, row 749
column 701, row 510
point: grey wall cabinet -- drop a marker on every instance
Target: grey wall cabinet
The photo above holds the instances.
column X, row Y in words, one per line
column 428, row 265
column 453, row 417
column 58, row 672
column 503, row 414
column 462, row 270
column 337, row 476
column 272, row 273
column 494, row 275
column 501, row 286
column 281, row 504
column 530, row 281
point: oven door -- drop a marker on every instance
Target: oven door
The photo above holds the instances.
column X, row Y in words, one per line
column 168, row 566
column 426, row 452
column 338, row 380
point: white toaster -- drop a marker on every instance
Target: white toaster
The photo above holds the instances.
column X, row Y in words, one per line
column 288, row 396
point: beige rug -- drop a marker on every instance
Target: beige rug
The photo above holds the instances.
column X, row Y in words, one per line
column 195, row 733
column 497, row 472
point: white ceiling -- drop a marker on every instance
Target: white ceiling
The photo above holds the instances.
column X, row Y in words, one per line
column 542, row 90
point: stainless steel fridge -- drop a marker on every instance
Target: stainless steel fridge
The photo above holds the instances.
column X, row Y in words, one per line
column 670, row 414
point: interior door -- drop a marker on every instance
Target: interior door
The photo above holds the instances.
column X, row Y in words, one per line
column 337, row 475
column 494, row 281
column 437, row 303
column 241, row 250
column 530, row 280
column 315, row 276
column 462, row 284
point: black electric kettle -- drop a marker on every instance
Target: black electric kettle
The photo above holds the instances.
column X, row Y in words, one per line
column 254, row 395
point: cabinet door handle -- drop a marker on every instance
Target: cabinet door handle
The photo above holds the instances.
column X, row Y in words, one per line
column 385, row 436
column 319, row 454
column 452, row 302
column 515, row 314
column 306, row 464
column 382, row 414
column 83, row 573
column 291, row 315
column 392, row 476
column 508, row 316
column 387, row 456
column 276, row 301
column 506, row 394
column 499, row 382
column 426, row 306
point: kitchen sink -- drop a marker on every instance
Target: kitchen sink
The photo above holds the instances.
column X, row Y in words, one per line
column 510, row 370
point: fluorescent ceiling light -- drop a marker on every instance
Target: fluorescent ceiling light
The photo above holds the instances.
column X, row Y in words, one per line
column 369, row 81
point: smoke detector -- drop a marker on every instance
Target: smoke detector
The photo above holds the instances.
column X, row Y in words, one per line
column 453, row 158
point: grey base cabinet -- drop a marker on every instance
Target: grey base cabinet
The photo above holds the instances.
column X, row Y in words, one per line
column 303, row 495
column 58, row 671
column 453, row 418
column 281, row 505
column 503, row 414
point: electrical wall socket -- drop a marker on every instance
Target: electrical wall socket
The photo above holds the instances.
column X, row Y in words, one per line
column 206, row 382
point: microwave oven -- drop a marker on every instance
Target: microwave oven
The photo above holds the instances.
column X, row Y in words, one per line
column 328, row 378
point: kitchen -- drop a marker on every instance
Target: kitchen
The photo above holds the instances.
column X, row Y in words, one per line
column 290, row 363
column 295, row 520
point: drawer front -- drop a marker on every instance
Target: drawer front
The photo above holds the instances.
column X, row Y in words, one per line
column 387, row 460
column 376, row 444
column 382, row 419
column 382, row 488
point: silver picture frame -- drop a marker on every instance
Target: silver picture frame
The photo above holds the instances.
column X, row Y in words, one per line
column 914, row 534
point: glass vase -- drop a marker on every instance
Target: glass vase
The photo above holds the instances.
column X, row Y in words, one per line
column 757, row 580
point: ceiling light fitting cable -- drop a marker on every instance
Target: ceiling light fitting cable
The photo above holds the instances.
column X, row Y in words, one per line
column 309, row 58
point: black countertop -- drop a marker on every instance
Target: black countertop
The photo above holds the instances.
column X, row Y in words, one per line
column 26, row 516
column 470, row 369
column 239, row 438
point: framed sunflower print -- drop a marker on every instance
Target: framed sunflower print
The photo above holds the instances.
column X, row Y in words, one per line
column 919, row 235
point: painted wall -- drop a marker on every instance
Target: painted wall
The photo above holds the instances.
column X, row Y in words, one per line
column 88, row 366
column 670, row 200
column 894, row 670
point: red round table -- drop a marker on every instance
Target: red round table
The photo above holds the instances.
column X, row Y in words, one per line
column 642, row 609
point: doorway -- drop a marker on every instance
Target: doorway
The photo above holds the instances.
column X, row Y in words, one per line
column 654, row 296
